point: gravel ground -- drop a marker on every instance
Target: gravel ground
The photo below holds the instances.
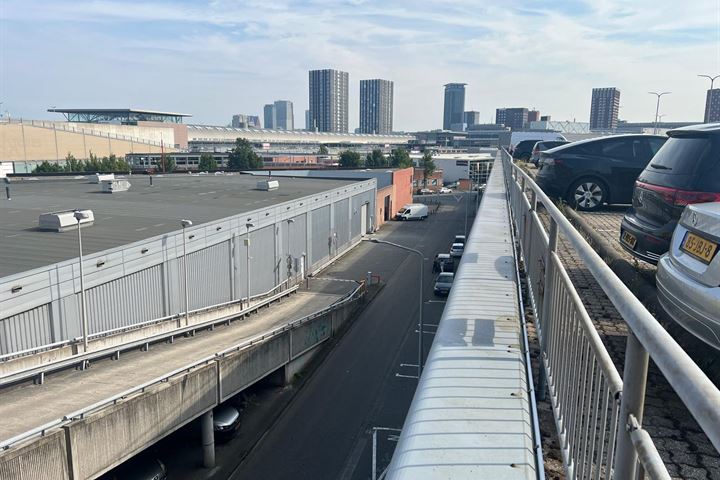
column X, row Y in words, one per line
column 685, row 449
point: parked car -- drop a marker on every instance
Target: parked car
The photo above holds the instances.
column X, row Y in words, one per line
column 542, row 146
column 517, row 137
column 226, row 422
column 141, row 467
column 523, row 150
column 443, row 283
column 413, row 211
column 443, row 263
column 688, row 276
column 456, row 250
column 590, row 173
column 444, row 190
column 425, row 191
column 685, row 171
column 459, row 239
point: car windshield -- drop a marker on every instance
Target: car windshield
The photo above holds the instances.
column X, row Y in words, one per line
column 445, row 278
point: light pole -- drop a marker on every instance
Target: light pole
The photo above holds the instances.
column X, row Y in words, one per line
column 248, row 226
column 657, row 108
column 709, row 100
column 420, row 302
column 185, row 224
column 290, row 221
column 79, row 216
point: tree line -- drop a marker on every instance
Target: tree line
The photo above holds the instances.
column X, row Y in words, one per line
column 398, row 158
column 90, row 165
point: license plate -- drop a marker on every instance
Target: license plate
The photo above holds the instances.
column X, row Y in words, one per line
column 629, row 239
column 698, row 247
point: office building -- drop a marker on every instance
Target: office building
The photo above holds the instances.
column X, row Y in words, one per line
column 284, row 117
column 515, row 118
column 269, row 116
column 329, row 100
column 245, row 121
column 712, row 106
column 545, row 118
column 376, row 106
column 471, row 118
column 604, row 108
column 454, row 105
column 533, row 116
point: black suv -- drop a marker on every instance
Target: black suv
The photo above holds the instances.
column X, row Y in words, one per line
column 686, row 170
column 523, row 150
column 592, row 172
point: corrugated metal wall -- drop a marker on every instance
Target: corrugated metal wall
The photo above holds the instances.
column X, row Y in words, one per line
column 144, row 280
column 26, row 330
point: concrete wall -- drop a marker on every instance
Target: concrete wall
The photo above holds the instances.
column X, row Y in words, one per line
column 37, row 459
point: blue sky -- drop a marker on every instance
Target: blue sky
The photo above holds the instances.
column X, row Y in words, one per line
column 219, row 57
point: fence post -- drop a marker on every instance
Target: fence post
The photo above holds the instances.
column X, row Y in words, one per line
column 632, row 402
column 544, row 320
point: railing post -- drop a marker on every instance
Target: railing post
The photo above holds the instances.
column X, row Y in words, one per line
column 632, row 402
column 547, row 295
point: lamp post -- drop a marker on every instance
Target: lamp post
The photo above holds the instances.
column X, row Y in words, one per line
column 290, row 221
column 420, row 301
column 79, row 216
column 657, row 108
column 248, row 226
column 185, row 224
column 712, row 81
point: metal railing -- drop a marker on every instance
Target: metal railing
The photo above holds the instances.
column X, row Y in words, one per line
column 597, row 413
column 41, row 430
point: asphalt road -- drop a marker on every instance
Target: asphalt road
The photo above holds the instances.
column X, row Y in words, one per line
column 325, row 432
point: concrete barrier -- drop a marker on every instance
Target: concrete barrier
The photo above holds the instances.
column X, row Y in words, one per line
column 105, row 439
column 37, row 459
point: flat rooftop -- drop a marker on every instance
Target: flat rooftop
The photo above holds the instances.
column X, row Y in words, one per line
column 127, row 217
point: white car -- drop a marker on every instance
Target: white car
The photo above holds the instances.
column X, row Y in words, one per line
column 425, row 191
column 456, row 250
column 688, row 276
column 445, row 190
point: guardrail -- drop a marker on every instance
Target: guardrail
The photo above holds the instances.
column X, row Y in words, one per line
column 357, row 293
column 81, row 358
column 598, row 414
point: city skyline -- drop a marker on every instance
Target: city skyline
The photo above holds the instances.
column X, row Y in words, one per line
column 249, row 45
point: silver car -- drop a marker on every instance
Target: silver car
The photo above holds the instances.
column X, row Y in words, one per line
column 443, row 283
column 688, row 276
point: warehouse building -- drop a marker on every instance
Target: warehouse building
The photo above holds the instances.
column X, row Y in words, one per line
column 136, row 253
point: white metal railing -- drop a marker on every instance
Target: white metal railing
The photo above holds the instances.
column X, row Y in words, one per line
column 597, row 413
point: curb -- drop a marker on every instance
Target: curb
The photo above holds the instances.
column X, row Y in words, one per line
column 638, row 285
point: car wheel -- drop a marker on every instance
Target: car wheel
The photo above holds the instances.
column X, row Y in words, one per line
column 587, row 194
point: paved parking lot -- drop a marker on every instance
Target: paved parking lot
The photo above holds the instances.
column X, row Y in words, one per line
column 686, row 451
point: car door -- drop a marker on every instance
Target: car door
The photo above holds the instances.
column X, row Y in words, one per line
column 624, row 157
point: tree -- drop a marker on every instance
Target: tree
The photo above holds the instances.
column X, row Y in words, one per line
column 349, row 159
column 207, row 163
column 323, row 150
column 400, row 158
column 92, row 164
column 47, row 167
column 428, row 166
column 375, row 159
column 243, row 157
column 165, row 164
column 72, row 164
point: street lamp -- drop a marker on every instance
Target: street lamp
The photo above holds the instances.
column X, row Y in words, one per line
column 420, row 302
column 657, row 108
column 248, row 226
column 712, row 81
column 81, row 215
column 290, row 221
column 185, row 224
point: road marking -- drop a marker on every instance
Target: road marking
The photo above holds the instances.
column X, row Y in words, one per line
column 158, row 225
column 140, row 229
column 14, row 211
column 436, row 301
column 11, row 236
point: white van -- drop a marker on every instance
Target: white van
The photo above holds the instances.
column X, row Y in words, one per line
column 413, row 211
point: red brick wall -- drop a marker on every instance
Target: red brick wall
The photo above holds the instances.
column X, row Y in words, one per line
column 402, row 184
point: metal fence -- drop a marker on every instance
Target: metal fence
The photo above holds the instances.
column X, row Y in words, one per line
column 597, row 413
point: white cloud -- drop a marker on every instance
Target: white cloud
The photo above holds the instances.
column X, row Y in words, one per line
column 226, row 56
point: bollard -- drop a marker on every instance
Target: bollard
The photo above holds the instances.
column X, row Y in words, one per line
column 151, row 184
column 368, row 278
column 7, row 192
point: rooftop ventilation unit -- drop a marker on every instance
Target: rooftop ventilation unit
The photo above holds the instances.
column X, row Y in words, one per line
column 114, row 186
column 267, row 185
column 64, row 220
column 101, row 177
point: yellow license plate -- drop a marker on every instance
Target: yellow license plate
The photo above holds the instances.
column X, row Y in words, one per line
column 629, row 239
column 698, row 247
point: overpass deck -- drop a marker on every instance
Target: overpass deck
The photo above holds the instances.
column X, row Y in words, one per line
column 28, row 406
